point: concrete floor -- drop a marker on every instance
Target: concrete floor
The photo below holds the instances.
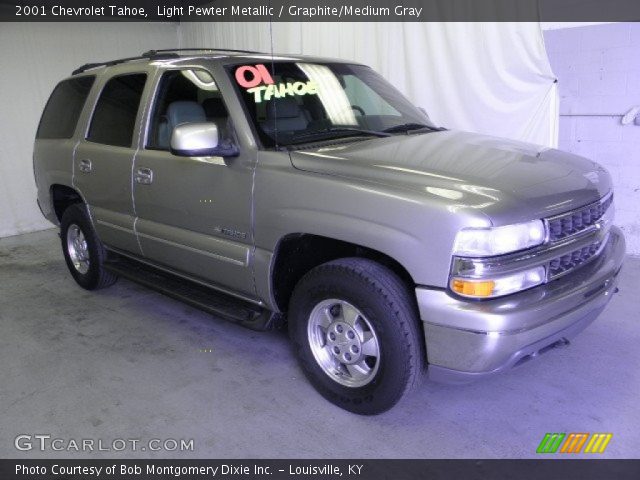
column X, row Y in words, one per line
column 129, row 363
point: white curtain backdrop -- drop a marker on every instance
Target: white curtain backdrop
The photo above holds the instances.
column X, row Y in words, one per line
column 491, row 78
column 33, row 58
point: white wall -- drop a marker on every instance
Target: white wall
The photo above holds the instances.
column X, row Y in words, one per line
column 598, row 69
column 33, row 58
column 562, row 25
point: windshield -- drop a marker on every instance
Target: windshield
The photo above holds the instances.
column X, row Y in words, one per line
column 294, row 102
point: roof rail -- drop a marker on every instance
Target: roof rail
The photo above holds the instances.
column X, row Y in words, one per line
column 150, row 55
column 166, row 50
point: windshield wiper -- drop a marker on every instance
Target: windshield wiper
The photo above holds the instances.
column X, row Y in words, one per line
column 329, row 130
column 406, row 127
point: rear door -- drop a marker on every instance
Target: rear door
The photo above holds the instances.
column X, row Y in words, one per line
column 104, row 158
column 194, row 213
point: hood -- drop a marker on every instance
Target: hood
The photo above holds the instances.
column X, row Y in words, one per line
column 507, row 180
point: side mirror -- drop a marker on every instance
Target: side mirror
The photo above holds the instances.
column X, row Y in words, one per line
column 200, row 140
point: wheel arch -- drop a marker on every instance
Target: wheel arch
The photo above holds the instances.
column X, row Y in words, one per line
column 297, row 253
column 63, row 196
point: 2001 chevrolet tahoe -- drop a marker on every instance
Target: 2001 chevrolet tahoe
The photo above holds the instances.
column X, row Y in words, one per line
column 270, row 189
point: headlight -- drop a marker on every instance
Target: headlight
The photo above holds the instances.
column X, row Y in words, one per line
column 498, row 286
column 486, row 242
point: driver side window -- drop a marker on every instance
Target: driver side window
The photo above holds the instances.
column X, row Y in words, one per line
column 185, row 96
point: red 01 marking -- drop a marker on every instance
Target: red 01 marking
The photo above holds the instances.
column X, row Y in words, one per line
column 249, row 76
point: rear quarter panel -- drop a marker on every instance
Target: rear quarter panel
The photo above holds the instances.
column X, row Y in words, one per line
column 52, row 164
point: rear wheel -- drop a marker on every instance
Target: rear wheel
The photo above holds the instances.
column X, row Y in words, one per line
column 83, row 252
column 355, row 328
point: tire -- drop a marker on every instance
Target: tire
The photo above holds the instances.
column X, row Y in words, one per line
column 339, row 312
column 86, row 256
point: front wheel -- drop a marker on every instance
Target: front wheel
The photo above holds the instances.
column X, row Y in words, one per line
column 355, row 328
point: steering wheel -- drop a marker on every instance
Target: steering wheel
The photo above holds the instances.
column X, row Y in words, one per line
column 358, row 109
column 355, row 108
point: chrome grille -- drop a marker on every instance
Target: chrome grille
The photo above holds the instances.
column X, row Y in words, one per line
column 573, row 222
column 567, row 262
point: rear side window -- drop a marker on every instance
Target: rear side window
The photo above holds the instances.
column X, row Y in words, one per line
column 115, row 115
column 63, row 109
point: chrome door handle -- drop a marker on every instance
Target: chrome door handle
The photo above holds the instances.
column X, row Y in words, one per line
column 85, row 166
column 143, row 176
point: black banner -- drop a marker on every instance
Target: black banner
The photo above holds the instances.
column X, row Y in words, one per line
column 546, row 469
column 319, row 10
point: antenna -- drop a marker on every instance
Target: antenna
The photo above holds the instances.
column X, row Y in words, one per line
column 273, row 71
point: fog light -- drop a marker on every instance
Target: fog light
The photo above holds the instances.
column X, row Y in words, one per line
column 499, row 286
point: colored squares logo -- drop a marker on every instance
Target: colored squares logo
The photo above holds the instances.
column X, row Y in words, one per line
column 574, row 443
column 550, row 443
column 598, row 443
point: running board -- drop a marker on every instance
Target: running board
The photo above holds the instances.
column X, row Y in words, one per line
column 230, row 308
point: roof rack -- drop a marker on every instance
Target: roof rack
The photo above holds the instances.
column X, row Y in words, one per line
column 156, row 55
column 166, row 50
column 150, row 55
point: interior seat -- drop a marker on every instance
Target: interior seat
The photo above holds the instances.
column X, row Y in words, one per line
column 216, row 112
column 286, row 115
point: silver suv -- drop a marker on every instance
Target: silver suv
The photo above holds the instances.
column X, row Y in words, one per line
column 307, row 191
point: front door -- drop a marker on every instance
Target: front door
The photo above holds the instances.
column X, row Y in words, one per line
column 194, row 213
column 103, row 161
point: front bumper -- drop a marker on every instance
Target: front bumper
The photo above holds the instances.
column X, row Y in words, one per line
column 467, row 340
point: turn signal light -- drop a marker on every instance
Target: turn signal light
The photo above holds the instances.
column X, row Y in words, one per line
column 499, row 285
column 471, row 288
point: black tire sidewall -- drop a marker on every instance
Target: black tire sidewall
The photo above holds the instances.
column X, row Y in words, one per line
column 77, row 214
column 391, row 379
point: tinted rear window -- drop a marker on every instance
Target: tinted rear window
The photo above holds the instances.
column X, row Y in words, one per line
column 115, row 115
column 63, row 109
